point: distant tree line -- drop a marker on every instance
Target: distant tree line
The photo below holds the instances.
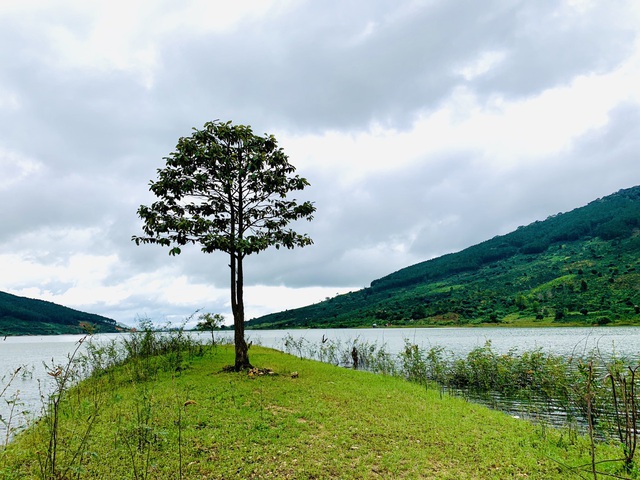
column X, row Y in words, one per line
column 26, row 316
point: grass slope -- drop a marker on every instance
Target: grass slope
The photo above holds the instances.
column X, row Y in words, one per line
column 320, row 422
column 577, row 268
column 27, row 316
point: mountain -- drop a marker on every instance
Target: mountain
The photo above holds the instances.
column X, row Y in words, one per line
column 27, row 316
column 576, row 268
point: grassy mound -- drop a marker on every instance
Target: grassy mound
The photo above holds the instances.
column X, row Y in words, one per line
column 290, row 418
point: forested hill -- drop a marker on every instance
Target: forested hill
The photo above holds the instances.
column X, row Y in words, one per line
column 576, row 268
column 27, row 316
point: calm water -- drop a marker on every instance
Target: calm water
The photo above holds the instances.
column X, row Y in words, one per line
column 625, row 341
column 35, row 351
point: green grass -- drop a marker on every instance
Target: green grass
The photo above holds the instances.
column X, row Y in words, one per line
column 307, row 420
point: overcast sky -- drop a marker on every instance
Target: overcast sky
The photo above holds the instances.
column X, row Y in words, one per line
column 424, row 127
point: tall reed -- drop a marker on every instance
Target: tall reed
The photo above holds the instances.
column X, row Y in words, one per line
column 133, row 359
column 12, row 400
column 596, row 390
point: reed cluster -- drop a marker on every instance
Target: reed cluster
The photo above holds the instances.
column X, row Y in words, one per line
column 595, row 393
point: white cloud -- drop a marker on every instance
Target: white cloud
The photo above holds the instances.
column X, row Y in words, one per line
column 483, row 64
column 532, row 129
column 16, row 168
column 9, row 100
column 269, row 298
column 423, row 127
column 121, row 35
column 504, row 132
column 354, row 155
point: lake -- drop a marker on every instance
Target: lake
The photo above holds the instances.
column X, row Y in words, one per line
column 35, row 351
column 625, row 341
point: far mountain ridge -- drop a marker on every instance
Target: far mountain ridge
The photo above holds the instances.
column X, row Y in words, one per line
column 575, row 268
column 28, row 316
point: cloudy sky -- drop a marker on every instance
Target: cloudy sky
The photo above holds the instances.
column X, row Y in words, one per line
column 424, row 127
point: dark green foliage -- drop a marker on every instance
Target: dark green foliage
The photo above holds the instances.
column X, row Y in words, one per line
column 552, row 271
column 225, row 189
column 26, row 316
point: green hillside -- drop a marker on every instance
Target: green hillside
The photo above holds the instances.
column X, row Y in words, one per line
column 576, row 268
column 26, row 316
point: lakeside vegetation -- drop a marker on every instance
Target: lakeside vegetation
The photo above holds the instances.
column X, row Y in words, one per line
column 165, row 406
column 594, row 392
column 579, row 268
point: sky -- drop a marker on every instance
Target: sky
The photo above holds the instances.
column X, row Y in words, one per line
column 423, row 127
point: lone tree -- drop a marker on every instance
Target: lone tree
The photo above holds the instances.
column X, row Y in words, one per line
column 209, row 322
column 225, row 189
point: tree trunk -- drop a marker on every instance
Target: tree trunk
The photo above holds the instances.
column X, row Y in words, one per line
column 237, row 306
